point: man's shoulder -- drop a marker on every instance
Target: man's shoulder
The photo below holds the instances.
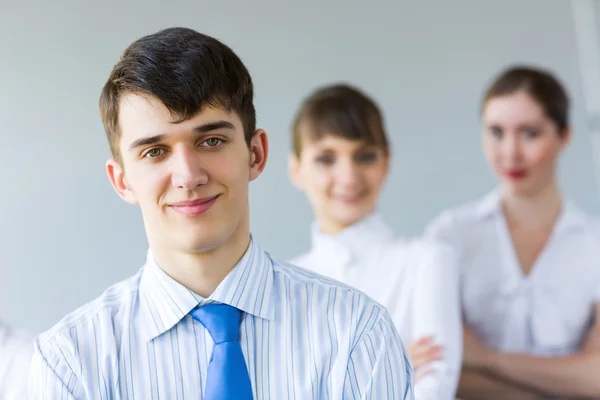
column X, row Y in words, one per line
column 316, row 285
column 108, row 308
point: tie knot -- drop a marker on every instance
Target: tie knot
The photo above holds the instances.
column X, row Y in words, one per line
column 222, row 321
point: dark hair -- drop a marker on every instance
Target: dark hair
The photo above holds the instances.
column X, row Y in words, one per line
column 339, row 110
column 186, row 71
column 541, row 85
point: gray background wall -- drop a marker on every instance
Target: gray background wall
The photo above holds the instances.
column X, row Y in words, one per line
column 65, row 236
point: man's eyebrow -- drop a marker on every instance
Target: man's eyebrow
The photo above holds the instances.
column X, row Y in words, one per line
column 145, row 141
column 213, row 126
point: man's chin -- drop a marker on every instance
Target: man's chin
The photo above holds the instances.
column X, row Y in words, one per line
column 200, row 247
column 200, row 242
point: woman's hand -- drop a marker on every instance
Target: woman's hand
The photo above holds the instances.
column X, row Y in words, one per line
column 421, row 353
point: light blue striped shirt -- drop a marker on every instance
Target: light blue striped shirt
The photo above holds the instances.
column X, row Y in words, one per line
column 303, row 337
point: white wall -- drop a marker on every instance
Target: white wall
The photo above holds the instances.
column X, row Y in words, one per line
column 64, row 236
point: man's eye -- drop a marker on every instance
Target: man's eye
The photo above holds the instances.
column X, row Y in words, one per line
column 212, row 142
column 153, row 153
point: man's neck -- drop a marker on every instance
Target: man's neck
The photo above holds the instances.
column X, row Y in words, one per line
column 202, row 272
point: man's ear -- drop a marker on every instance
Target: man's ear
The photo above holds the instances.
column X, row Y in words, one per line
column 259, row 152
column 116, row 176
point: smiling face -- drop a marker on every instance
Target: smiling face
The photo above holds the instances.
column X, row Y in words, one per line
column 340, row 155
column 521, row 143
column 189, row 177
column 342, row 179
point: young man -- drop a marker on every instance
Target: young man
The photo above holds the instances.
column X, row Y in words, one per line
column 211, row 315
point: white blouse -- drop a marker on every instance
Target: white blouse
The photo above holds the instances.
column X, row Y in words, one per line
column 547, row 312
column 16, row 349
column 416, row 280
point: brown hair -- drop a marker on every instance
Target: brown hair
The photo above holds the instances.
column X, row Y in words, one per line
column 339, row 110
column 186, row 71
column 541, row 85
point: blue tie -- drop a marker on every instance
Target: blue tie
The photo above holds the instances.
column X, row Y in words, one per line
column 227, row 377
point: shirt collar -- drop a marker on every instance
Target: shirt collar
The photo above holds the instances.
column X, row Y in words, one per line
column 248, row 287
column 354, row 240
column 571, row 217
column 490, row 205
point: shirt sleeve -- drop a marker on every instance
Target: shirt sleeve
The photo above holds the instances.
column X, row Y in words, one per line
column 378, row 367
column 436, row 313
column 51, row 377
column 14, row 385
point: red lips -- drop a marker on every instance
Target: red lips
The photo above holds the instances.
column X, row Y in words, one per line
column 516, row 174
